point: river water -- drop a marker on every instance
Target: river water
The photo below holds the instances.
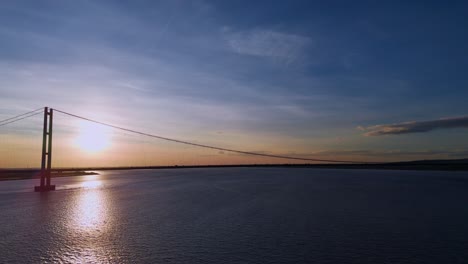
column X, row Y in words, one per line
column 238, row 215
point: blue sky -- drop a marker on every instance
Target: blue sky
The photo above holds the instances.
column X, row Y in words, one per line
column 311, row 78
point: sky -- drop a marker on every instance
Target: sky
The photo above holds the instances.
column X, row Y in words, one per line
column 360, row 80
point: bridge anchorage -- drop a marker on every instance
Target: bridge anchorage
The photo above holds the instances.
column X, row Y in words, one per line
column 46, row 161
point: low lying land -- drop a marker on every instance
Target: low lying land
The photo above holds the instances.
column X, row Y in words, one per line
column 438, row 165
column 23, row 174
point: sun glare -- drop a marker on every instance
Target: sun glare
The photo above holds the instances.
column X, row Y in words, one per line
column 92, row 137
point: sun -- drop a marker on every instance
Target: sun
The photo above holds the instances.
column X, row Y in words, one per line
column 92, row 138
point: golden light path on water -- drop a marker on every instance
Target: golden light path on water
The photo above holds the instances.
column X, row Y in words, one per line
column 88, row 223
column 90, row 211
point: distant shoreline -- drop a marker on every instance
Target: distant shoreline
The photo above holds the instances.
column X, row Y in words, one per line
column 25, row 174
column 433, row 165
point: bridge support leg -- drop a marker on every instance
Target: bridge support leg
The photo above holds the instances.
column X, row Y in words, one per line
column 46, row 161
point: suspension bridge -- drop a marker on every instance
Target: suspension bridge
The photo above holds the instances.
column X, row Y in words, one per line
column 48, row 132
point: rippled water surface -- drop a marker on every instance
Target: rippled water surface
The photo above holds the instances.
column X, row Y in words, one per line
column 238, row 215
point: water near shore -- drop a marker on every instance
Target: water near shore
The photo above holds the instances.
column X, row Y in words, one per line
column 238, row 215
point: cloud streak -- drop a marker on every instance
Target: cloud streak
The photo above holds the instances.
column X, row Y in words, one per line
column 268, row 43
column 415, row 127
column 385, row 155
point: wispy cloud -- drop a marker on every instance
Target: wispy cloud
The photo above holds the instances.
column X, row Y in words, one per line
column 268, row 43
column 415, row 127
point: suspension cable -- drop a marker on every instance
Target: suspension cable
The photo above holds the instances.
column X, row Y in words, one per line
column 202, row 145
column 20, row 117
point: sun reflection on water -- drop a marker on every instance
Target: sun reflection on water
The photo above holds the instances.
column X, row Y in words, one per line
column 90, row 212
column 91, row 184
column 89, row 223
column 91, row 206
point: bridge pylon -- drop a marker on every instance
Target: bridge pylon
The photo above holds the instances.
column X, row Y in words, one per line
column 46, row 161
